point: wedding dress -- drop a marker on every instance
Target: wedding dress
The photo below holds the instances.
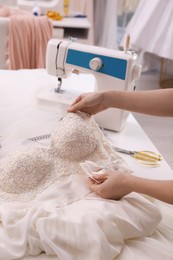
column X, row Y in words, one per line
column 46, row 206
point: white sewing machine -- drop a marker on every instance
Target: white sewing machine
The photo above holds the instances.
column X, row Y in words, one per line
column 112, row 69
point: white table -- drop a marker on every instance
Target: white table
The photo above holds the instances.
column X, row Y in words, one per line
column 29, row 108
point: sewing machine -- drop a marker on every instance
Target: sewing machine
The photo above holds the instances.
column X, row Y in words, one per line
column 112, row 69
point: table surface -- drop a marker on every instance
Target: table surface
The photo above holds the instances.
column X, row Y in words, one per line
column 25, row 113
column 72, row 22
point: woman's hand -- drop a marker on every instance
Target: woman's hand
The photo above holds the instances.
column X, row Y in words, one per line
column 112, row 185
column 91, row 103
column 115, row 185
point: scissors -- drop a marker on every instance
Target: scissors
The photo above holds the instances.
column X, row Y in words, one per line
column 144, row 157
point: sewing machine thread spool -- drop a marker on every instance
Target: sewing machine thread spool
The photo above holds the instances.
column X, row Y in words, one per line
column 127, row 43
column 66, row 7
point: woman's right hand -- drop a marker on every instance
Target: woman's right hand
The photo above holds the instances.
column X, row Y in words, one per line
column 112, row 185
column 91, row 103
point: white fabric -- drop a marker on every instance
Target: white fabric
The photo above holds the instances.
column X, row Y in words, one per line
column 55, row 225
column 113, row 163
column 151, row 32
column 151, row 27
column 105, row 23
column 66, row 220
column 158, row 246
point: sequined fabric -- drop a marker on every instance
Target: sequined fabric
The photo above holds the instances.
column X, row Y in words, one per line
column 32, row 169
column 24, row 171
column 74, row 138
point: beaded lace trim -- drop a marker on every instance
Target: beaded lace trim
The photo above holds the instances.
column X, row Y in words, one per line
column 31, row 170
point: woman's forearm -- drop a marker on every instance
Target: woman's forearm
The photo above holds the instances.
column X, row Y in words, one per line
column 159, row 189
column 153, row 102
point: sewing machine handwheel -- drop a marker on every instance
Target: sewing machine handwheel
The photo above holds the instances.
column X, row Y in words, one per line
column 95, row 64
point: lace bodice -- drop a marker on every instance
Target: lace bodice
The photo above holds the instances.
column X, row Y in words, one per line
column 32, row 169
column 24, row 170
column 74, row 138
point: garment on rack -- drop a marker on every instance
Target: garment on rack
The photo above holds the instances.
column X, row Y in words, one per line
column 151, row 31
column 105, row 23
column 28, row 36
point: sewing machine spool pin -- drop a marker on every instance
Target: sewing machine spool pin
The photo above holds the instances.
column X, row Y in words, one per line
column 127, row 43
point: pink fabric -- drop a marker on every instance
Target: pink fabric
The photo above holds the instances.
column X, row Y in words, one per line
column 27, row 40
column 4, row 11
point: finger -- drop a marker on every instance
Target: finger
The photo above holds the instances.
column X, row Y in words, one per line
column 92, row 184
column 78, row 99
column 90, row 181
column 78, row 105
column 74, row 108
column 100, row 177
column 93, row 181
column 73, row 105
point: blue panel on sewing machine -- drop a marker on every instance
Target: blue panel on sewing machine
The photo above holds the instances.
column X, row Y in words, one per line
column 110, row 66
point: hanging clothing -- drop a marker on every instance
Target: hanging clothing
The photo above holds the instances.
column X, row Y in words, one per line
column 105, row 23
column 27, row 38
column 151, row 27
